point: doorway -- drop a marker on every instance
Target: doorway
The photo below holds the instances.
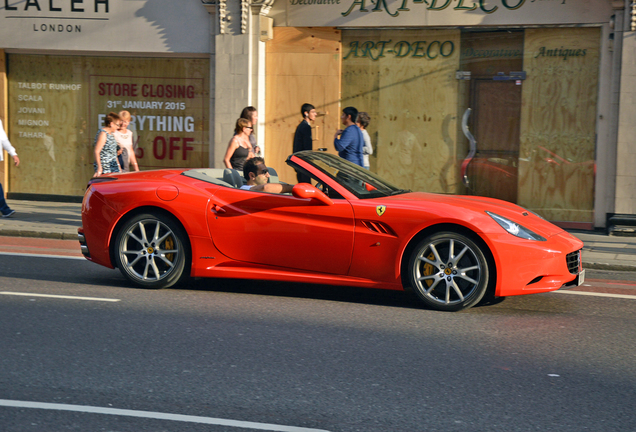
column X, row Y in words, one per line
column 497, row 118
column 493, row 58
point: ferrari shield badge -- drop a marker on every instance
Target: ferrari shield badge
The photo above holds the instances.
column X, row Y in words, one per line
column 380, row 210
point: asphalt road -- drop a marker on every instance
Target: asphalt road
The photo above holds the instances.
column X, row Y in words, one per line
column 245, row 355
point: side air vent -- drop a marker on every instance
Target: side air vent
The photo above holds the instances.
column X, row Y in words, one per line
column 379, row 227
column 574, row 262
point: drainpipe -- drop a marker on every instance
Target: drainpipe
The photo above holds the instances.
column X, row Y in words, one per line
column 615, row 89
column 210, row 6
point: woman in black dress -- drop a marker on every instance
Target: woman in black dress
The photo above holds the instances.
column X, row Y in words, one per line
column 239, row 149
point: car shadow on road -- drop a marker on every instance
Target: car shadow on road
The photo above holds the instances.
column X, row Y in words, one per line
column 345, row 294
column 335, row 293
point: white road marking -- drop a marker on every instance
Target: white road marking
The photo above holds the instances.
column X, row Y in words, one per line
column 58, row 296
column 585, row 293
column 43, row 255
column 156, row 415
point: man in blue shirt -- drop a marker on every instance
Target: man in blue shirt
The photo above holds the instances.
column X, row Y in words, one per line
column 350, row 143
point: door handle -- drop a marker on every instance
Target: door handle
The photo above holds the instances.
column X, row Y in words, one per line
column 216, row 209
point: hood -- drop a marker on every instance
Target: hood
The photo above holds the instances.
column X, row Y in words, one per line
column 479, row 205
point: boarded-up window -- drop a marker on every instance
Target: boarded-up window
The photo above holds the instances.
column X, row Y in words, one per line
column 56, row 103
column 558, row 123
column 405, row 80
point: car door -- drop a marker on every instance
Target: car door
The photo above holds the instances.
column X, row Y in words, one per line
column 282, row 230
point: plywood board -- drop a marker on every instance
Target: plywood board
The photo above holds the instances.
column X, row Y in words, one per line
column 400, row 78
column 304, row 40
column 558, row 118
column 302, row 66
column 56, row 103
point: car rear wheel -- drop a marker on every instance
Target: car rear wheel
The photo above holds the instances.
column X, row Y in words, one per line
column 448, row 271
column 152, row 251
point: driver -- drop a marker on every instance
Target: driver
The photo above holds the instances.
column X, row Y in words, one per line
column 257, row 175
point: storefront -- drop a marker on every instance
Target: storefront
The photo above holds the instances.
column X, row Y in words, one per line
column 69, row 63
column 531, row 73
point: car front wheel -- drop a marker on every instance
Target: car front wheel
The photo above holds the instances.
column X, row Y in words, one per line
column 151, row 251
column 448, row 271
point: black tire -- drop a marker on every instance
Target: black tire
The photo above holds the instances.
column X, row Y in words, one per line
column 152, row 251
column 448, row 271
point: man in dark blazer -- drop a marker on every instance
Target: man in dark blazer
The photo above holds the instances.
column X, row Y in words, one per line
column 302, row 137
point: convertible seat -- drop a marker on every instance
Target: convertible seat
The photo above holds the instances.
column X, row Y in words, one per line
column 273, row 175
column 232, row 177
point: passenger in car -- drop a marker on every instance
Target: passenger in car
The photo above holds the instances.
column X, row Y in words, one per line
column 256, row 173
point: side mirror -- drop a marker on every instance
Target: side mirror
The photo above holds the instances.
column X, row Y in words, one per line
column 305, row 190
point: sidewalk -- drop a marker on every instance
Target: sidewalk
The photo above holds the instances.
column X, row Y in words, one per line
column 42, row 219
column 52, row 220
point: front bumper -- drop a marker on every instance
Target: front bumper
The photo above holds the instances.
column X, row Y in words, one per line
column 526, row 266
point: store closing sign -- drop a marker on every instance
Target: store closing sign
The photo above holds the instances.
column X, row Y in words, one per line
column 167, row 115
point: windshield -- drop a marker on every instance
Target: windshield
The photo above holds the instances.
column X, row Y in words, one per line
column 357, row 180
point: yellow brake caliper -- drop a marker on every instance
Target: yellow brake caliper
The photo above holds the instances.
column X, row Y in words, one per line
column 169, row 245
column 428, row 270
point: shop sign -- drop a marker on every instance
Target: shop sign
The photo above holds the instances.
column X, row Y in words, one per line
column 369, row 13
column 56, row 5
column 417, row 49
column 34, row 108
column 77, row 9
column 146, row 26
column 472, row 53
column 563, row 53
column 433, row 5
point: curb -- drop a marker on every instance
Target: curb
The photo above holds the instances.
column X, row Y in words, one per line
column 613, row 267
column 38, row 234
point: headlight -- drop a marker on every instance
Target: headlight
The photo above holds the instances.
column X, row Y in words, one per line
column 514, row 228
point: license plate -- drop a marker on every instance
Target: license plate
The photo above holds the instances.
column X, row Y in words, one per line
column 580, row 278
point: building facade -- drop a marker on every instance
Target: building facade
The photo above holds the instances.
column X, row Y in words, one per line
column 66, row 64
column 546, row 88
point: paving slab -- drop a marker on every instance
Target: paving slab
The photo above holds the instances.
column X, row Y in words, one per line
column 42, row 219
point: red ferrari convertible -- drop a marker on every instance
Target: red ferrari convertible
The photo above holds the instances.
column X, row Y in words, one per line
column 348, row 227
